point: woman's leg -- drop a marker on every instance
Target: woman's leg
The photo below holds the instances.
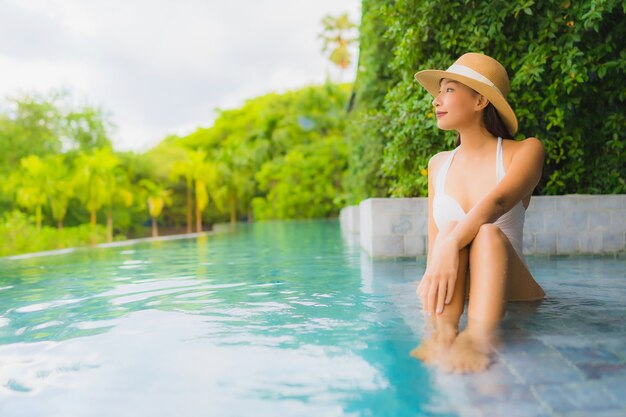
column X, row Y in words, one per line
column 443, row 328
column 490, row 255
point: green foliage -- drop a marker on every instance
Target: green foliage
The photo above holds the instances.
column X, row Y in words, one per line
column 265, row 136
column 41, row 125
column 285, row 152
column 565, row 61
column 28, row 185
column 304, row 183
column 365, row 178
column 19, row 235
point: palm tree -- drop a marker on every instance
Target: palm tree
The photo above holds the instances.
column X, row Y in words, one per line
column 158, row 197
column 205, row 176
column 336, row 39
column 59, row 185
column 184, row 168
column 28, row 184
column 236, row 174
column 95, row 176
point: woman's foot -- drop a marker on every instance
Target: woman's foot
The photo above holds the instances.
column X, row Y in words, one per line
column 469, row 353
column 437, row 344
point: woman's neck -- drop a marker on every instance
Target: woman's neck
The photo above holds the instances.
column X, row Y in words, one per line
column 475, row 139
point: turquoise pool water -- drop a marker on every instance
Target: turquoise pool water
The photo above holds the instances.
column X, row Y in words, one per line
column 277, row 319
column 272, row 320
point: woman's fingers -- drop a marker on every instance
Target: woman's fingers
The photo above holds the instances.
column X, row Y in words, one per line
column 441, row 295
column 433, row 290
column 450, row 292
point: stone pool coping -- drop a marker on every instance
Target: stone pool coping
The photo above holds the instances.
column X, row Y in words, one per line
column 555, row 225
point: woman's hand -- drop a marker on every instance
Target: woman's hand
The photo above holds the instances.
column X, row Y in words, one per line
column 437, row 285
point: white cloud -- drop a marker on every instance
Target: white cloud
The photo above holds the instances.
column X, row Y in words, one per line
column 162, row 66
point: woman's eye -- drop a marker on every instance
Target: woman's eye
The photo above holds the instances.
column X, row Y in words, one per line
column 449, row 89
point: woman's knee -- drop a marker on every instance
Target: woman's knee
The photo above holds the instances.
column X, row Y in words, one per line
column 489, row 235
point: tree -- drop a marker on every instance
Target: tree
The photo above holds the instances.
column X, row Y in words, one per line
column 59, row 185
column 337, row 40
column 87, row 128
column 96, row 176
column 184, row 168
column 237, row 175
column 304, row 183
column 28, row 186
column 205, row 175
column 157, row 198
column 31, row 126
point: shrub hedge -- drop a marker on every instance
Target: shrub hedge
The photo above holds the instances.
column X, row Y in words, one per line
column 566, row 63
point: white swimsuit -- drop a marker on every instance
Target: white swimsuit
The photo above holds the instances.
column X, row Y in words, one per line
column 447, row 209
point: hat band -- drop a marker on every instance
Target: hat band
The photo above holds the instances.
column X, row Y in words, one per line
column 470, row 73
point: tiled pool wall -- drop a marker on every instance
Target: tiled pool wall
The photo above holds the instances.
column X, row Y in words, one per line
column 555, row 225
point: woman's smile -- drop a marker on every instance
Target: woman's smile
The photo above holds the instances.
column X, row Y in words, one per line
column 441, row 114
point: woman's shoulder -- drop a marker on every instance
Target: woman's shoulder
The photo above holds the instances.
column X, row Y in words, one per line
column 438, row 159
column 530, row 145
column 435, row 162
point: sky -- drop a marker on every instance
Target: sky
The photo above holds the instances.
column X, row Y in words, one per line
column 161, row 67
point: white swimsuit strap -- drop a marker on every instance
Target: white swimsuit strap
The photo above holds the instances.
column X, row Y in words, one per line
column 443, row 174
column 499, row 163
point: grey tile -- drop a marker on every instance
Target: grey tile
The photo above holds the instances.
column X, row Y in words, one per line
column 547, row 369
column 534, row 222
column 618, row 219
column 515, row 409
column 614, row 412
column 575, row 220
column 565, row 398
column 616, row 386
column 545, row 243
column 613, row 242
column 489, row 393
column 566, row 243
column 590, row 242
column 617, row 345
column 570, row 340
column 588, row 354
column 567, row 203
column 514, row 345
column 545, row 203
column 599, row 221
column 613, row 201
column 551, row 221
column 602, row 370
column 528, row 245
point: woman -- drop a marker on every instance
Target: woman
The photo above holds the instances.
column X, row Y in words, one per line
column 477, row 197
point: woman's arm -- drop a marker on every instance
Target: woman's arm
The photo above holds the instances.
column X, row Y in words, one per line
column 523, row 175
column 433, row 165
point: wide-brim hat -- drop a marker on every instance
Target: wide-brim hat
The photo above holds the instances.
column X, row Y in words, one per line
column 481, row 73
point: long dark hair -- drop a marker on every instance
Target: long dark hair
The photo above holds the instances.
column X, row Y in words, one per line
column 493, row 123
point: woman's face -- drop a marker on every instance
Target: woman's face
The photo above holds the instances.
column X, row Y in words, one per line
column 455, row 105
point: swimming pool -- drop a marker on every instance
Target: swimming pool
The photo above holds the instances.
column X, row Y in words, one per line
column 289, row 319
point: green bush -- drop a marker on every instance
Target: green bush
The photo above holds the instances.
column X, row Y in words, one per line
column 565, row 61
column 304, row 183
column 19, row 235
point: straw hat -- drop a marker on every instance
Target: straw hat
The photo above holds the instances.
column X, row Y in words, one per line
column 481, row 73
